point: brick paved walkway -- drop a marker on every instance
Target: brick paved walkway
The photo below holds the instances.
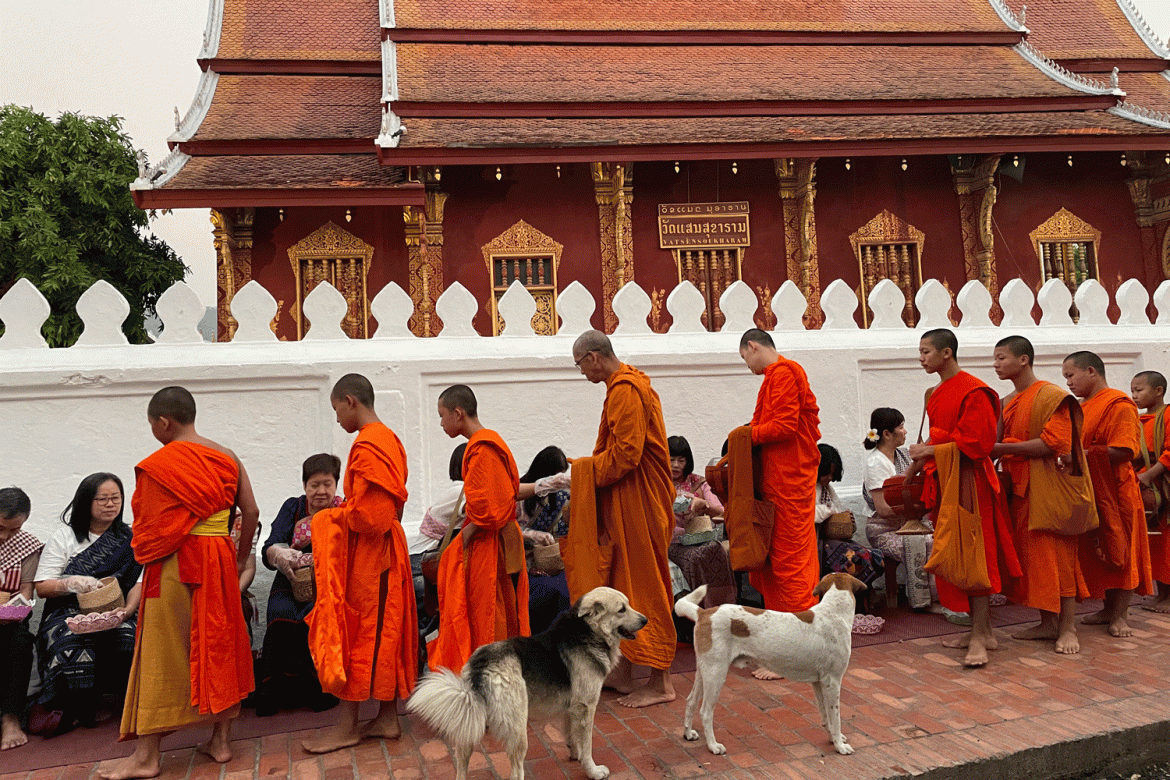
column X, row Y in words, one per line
column 907, row 708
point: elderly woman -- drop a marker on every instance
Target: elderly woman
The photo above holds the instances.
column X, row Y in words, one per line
column 19, row 553
column 287, row 676
column 78, row 670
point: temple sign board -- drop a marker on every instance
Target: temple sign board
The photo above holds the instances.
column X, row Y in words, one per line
column 703, row 225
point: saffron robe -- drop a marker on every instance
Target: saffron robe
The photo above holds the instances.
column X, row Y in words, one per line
column 624, row 544
column 1049, row 560
column 785, row 429
column 1112, row 420
column 1159, row 548
column 480, row 602
column 192, row 657
column 964, row 410
column 362, row 629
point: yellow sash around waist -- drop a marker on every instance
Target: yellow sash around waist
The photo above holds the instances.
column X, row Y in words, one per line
column 216, row 525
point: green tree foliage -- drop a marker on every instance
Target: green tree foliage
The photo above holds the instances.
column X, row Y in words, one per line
column 67, row 218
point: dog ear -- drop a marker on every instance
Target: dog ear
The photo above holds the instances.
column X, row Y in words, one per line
column 857, row 584
column 822, row 587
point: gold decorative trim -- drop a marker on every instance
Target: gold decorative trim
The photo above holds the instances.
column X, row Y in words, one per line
column 977, row 193
column 711, row 271
column 331, row 242
column 613, row 189
column 1065, row 227
column 798, row 192
column 1166, row 254
column 522, row 241
column 424, row 248
column 883, row 230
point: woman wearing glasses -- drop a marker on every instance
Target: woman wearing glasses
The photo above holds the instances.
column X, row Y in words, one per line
column 78, row 670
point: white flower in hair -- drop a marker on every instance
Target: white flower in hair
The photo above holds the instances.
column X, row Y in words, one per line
column 872, row 435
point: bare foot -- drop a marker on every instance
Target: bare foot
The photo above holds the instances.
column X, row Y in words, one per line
column 129, row 768
column 964, row 641
column 1041, row 631
column 760, row 673
column 1096, row 619
column 646, row 697
column 621, row 678
column 1068, row 643
column 11, row 734
column 976, row 653
column 382, row 727
column 1162, row 606
column 1120, row 627
column 331, row 739
column 220, row 754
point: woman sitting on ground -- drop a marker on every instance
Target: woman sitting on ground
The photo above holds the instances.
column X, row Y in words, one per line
column 887, row 458
column 836, row 554
column 543, row 514
column 78, row 670
column 287, row 677
column 20, row 552
column 700, row 555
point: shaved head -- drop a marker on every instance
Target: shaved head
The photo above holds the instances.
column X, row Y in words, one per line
column 1152, row 379
column 460, row 397
column 357, row 386
column 1018, row 346
column 758, row 336
column 942, row 338
column 174, row 402
column 1085, row 360
column 593, row 341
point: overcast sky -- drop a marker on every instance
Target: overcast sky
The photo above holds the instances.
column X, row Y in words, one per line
column 136, row 59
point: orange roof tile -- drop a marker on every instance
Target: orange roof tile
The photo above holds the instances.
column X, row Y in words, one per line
column 300, row 30
column 551, row 133
column 499, row 73
column 283, row 107
column 1084, row 29
column 1148, row 90
column 656, row 15
column 290, row 171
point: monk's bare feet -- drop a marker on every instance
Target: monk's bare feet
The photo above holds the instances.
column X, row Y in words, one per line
column 1119, row 627
column 621, row 678
column 976, row 652
column 761, row 673
column 1068, row 643
column 1162, row 605
column 1042, row 631
column 331, row 739
column 1096, row 619
column 11, row 734
column 659, row 689
column 382, row 727
column 963, row 642
column 130, row 768
column 220, row 754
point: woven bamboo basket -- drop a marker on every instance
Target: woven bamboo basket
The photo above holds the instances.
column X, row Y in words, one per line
column 104, row 599
column 304, row 584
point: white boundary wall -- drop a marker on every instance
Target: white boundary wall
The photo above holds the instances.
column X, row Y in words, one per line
column 66, row 413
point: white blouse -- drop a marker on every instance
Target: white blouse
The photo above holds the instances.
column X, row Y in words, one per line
column 59, row 550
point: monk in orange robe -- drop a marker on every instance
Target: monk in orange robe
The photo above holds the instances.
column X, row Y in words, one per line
column 362, row 629
column 1112, row 423
column 1037, row 424
column 192, row 658
column 964, row 418
column 785, row 428
column 621, row 520
column 483, row 578
column 1148, row 390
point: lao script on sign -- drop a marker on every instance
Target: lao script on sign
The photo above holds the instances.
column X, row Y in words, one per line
column 703, row 225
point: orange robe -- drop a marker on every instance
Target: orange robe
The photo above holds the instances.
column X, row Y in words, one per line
column 1159, row 548
column 964, row 410
column 785, row 428
column 1049, row 560
column 625, row 547
column 190, row 570
column 362, row 629
column 480, row 602
column 1112, row 420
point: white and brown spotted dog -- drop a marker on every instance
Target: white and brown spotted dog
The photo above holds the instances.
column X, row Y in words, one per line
column 811, row 646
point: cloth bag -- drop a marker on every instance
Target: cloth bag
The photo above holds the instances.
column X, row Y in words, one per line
column 958, row 555
column 748, row 520
column 1061, row 501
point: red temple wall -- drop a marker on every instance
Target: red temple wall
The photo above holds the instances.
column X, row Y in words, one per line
column 480, row 208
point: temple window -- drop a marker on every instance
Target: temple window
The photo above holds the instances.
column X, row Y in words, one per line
column 331, row 254
column 712, row 271
column 889, row 248
column 524, row 254
column 1066, row 247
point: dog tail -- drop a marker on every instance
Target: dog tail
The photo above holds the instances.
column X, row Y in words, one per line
column 688, row 605
column 446, row 702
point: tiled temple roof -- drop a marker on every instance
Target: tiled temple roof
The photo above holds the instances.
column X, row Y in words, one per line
column 1086, row 29
column 285, row 171
column 300, row 30
column 293, row 107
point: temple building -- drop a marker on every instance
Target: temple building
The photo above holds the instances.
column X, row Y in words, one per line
column 428, row 142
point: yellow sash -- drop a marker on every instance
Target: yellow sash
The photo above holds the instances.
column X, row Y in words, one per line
column 216, row 525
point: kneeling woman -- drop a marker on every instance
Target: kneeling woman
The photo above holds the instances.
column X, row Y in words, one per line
column 287, row 676
column 77, row 670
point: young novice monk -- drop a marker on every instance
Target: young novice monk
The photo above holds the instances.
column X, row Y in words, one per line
column 362, row 630
column 1038, row 425
column 483, row 580
column 192, row 659
column 964, row 416
column 1115, row 559
column 1148, row 390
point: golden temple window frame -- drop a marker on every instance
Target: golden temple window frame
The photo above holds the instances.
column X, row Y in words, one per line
column 333, row 246
column 520, row 245
column 695, row 266
column 875, row 243
column 1056, row 241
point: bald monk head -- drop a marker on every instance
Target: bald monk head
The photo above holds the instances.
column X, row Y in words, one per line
column 459, row 411
column 1013, row 361
column 352, row 400
column 1148, row 390
column 757, row 350
column 171, row 411
column 938, row 352
column 1084, row 373
column 594, row 357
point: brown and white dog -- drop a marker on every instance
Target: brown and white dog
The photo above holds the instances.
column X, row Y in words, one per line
column 811, row 646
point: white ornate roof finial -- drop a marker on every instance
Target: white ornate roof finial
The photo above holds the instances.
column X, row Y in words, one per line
column 1159, row 119
column 178, row 119
column 1063, row 75
column 1024, row 14
column 1114, row 81
column 143, row 164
